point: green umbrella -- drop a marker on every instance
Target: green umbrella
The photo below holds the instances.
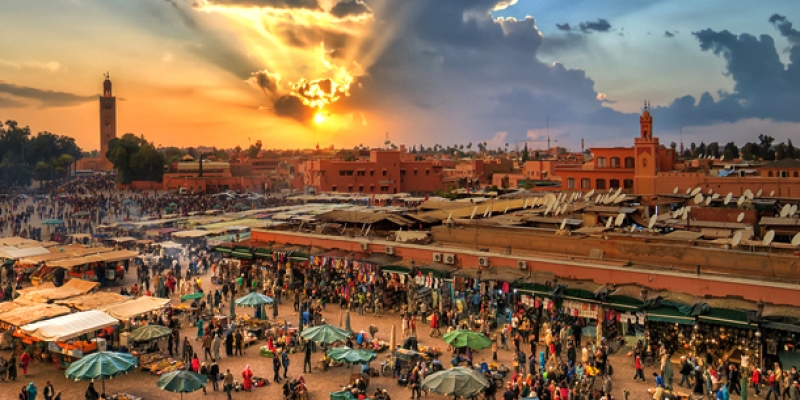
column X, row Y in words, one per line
column 182, row 381
column 192, row 296
column 149, row 332
column 254, row 299
column 458, row 381
column 325, row 334
column 352, row 356
column 52, row 221
column 101, row 365
column 466, row 338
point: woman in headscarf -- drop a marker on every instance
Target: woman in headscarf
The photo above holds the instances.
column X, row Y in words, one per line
column 247, row 378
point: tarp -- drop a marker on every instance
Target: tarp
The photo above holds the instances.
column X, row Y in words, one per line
column 69, row 326
column 92, row 301
column 129, row 309
column 75, row 287
column 26, row 315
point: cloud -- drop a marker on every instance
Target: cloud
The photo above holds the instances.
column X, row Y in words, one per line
column 668, row 34
column 47, row 98
column 309, row 4
column 601, row 25
column 564, row 27
column 347, row 8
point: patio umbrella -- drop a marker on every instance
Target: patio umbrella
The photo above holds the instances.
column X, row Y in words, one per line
column 466, row 338
column 254, row 299
column 325, row 334
column 149, row 332
column 182, row 381
column 52, row 221
column 101, row 365
column 458, row 381
column 352, row 356
column 192, row 296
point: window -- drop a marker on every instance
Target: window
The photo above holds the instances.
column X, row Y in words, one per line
column 600, row 184
column 627, row 184
column 629, row 162
column 586, row 183
column 601, row 162
column 570, row 183
column 614, row 183
column 615, row 162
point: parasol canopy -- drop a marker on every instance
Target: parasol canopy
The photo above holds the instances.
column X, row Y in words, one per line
column 458, row 381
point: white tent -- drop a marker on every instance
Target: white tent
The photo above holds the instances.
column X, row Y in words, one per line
column 69, row 326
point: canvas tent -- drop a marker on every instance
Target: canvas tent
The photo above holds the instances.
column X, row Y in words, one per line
column 69, row 326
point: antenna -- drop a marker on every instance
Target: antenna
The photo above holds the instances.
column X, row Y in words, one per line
column 768, row 238
column 737, row 238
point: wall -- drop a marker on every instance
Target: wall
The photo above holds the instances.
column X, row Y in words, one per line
column 598, row 271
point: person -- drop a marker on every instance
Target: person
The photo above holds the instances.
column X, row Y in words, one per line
column 247, row 378
column 276, row 368
column 307, row 358
column 23, row 394
column 227, row 383
column 49, row 392
column 32, row 391
column 285, row 362
column 24, row 361
column 90, row 393
column 213, row 375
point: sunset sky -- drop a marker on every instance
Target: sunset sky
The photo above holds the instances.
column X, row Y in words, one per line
column 294, row 73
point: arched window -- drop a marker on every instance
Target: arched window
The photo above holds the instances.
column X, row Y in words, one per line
column 615, row 162
column 601, row 162
column 630, row 162
column 627, row 184
column 600, row 184
column 613, row 184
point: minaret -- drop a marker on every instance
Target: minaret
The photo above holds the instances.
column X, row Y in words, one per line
column 108, row 116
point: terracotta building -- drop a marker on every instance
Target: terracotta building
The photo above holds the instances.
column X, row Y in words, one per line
column 385, row 172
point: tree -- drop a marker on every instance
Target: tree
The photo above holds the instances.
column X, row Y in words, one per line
column 731, row 152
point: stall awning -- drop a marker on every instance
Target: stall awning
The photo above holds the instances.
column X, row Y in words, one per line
column 26, row 315
column 93, row 300
column 132, row 308
column 69, row 326
column 669, row 315
column 727, row 317
column 74, row 287
column 623, row 303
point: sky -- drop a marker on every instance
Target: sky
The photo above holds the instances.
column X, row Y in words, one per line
column 297, row 73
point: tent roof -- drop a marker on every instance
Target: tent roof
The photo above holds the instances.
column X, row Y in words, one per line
column 26, row 315
column 69, row 326
column 92, row 301
column 132, row 308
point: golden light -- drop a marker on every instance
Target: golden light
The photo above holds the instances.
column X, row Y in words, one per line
column 319, row 118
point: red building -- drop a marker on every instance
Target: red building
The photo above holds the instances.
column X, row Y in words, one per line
column 385, row 172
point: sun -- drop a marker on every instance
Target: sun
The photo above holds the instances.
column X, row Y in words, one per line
column 319, row 118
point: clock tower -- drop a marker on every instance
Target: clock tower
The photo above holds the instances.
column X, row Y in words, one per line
column 108, row 117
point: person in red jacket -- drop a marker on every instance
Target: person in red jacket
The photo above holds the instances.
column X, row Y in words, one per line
column 435, row 324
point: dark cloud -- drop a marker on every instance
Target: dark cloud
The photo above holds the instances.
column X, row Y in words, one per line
column 669, row 34
column 347, row 8
column 310, row 4
column 601, row 25
column 47, row 98
column 291, row 106
column 564, row 27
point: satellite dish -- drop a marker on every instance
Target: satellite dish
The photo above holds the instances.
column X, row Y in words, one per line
column 620, row 219
column 793, row 210
column 608, row 223
column 768, row 238
column 740, row 201
column 737, row 238
column 708, row 200
column 772, row 194
column 760, row 191
column 715, row 196
column 563, row 224
column 696, row 191
column 698, row 198
column 652, row 222
column 675, row 191
column 740, row 217
column 796, row 240
column 785, row 210
column 728, row 198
